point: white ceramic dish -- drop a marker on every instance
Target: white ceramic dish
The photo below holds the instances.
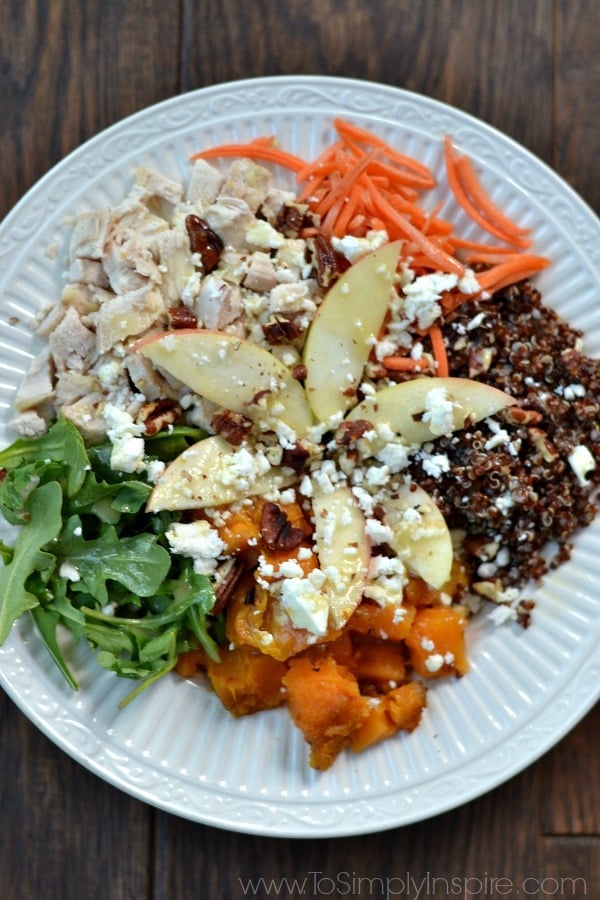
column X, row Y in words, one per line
column 175, row 747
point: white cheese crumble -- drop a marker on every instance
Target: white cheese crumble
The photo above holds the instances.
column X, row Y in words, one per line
column 199, row 541
column 439, row 412
column 582, row 462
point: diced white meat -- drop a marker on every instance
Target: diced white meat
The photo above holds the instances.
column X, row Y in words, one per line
column 157, row 185
column 28, row 424
column 175, row 263
column 231, row 218
column 146, row 379
column 37, row 385
column 72, row 345
column 72, row 386
column 247, row 181
column 84, row 298
column 261, row 276
column 89, row 235
column 130, row 249
column 128, row 315
column 204, row 186
column 218, row 303
column 292, row 298
column 88, row 271
column 291, row 263
column 85, row 416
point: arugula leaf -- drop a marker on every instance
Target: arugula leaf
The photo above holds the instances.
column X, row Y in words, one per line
column 139, row 563
column 45, row 522
column 47, row 621
column 62, row 443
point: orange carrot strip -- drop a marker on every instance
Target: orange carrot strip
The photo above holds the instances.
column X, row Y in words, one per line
column 518, row 268
column 254, row 150
column 439, row 350
column 463, row 199
column 405, row 363
column 476, row 246
column 474, row 187
column 314, row 167
column 354, row 132
column 390, row 216
column 349, row 211
column 342, row 187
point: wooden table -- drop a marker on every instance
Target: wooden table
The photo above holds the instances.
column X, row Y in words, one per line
column 68, row 69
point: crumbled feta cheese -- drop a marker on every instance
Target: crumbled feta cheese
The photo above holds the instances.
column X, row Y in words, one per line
column 422, row 295
column 305, row 604
column 68, row 571
column 198, row 540
column 439, row 412
column 582, row 462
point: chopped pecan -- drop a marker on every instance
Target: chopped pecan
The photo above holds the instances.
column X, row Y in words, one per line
column 204, row 241
column 292, row 218
column 228, row 578
column 325, row 260
column 276, row 529
column 234, row 427
column 348, row 432
column 182, row 317
column 281, row 330
column 295, row 457
column 517, row 416
column 157, row 414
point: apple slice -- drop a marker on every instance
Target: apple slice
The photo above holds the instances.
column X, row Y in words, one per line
column 236, row 374
column 213, row 473
column 339, row 340
column 409, row 408
column 343, row 550
column 420, row 535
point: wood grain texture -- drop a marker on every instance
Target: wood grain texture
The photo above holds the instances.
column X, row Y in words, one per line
column 70, row 68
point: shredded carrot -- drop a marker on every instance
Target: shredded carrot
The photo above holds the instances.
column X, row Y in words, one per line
column 517, row 268
column 354, row 133
column 404, row 228
column 439, row 350
column 405, row 363
column 254, row 150
column 463, row 199
column 474, row 187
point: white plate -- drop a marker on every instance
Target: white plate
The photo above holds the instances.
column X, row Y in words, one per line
column 175, row 747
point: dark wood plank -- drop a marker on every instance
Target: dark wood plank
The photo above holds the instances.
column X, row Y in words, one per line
column 64, row 832
column 458, row 850
column 570, row 868
column 480, row 57
column 565, row 810
column 578, row 96
column 71, row 69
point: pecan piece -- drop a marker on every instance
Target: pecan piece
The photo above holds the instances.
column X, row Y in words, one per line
column 229, row 576
column 291, row 219
column 276, row 529
column 157, row 414
column 325, row 260
column 234, row 427
column 182, row 317
column 295, row 457
column 204, row 241
column 348, row 432
column 281, row 331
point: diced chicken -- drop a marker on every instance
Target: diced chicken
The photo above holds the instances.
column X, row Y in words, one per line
column 231, row 218
column 246, row 181
column 72, row 345
column 129, row 256
column 89, row 235
column 175, row 262
column 157, row 185
column 37, row 385
column 88, row 271
column 72, row 386
column 84, row 298
column 28, row 424
column 147, row 380
column 291, row 298
column 218, row 303
column 85, row 416
column 261, row 276
column 290, row 261
column 128, row 315
column 205, row 184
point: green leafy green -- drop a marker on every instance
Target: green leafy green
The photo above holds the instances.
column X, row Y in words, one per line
column 89, row 558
